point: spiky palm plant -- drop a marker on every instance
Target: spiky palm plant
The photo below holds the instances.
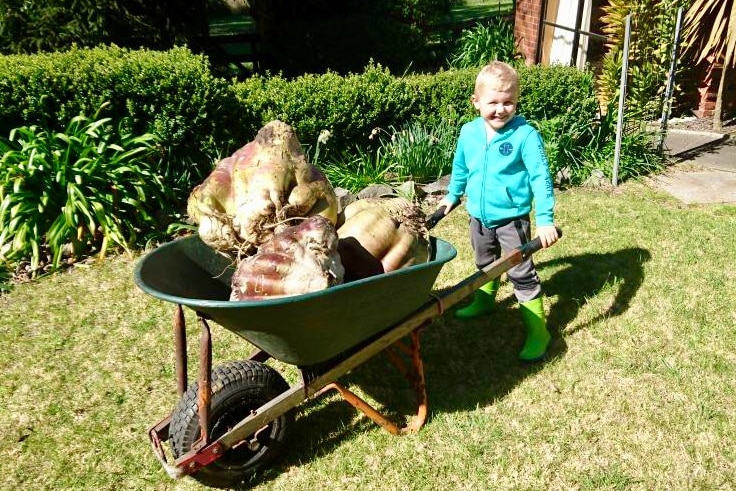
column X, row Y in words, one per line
column 652, row 36
column 710, row 30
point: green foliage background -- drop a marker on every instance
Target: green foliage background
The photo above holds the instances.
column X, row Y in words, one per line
column 31, row 26
column 200, row 117
column 171, row 94
column 652, row 38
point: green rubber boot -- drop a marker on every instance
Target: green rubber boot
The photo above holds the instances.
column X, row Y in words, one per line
column 483, row 302
column 537, row 335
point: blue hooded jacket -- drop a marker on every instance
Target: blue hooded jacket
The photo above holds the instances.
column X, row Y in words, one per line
column 503, row 177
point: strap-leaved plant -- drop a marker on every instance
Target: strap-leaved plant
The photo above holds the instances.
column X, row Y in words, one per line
column 67, row 195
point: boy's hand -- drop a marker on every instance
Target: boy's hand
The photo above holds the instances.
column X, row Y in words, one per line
column 443, row 208
column 547, row 235
column 447, row 203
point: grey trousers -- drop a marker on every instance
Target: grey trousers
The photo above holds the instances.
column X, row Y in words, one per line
column 488, row 243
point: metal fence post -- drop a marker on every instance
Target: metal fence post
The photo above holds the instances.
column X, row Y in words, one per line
column 670, row 83
column 621, row 99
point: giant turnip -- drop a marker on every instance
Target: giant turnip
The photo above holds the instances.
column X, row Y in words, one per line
column 299, row 259
column 253, row 192
column 381, row 235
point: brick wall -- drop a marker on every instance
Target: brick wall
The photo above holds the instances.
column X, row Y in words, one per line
column 526, row 28
column 708, row 90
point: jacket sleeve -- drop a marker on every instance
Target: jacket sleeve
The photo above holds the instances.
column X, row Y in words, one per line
column 535, row 160
column 459, row 176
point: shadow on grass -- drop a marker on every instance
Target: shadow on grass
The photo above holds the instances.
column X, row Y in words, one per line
column 583, row 276
column 468, row 363
column 474, row 363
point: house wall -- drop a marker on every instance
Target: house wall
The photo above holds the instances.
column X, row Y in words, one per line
column 527, row 20
column 710, row 77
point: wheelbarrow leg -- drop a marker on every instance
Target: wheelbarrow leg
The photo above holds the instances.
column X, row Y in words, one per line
column 180, row 346
column 359, row 404
column 204, row 394
column 415, row 376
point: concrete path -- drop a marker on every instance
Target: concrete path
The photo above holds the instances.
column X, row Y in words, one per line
column 704, row 167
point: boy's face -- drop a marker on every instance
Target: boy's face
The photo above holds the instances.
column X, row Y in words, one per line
column 497, row 107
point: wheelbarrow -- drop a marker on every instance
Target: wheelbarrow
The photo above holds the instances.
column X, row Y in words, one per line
column 234, row 420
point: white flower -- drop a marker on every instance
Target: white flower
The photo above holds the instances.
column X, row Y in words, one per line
column 374, row 132
column 324, row 136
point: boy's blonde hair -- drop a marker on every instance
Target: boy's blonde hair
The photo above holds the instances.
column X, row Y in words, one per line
column 499, row 76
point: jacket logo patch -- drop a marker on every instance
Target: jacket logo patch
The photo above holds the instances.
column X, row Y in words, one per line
column 506, row 148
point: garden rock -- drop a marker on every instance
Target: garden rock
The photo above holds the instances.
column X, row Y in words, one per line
column 344, row 198
column 377, row 191
column 411, row 190
column 597, row 179
column 439, row 187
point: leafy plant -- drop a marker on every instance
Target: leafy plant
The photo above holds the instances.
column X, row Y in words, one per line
column 356, row 170
column 29, row 26
column 652, row 37
column 418, row 152
column 75, row 192
column 410, row 152
column 576, row 151
column 485, row 43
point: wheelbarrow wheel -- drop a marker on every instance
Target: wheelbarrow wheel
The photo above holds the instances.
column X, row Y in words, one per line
column 237, row 388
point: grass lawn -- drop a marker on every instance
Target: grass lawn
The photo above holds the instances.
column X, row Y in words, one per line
column 638, row 392
column 467, row 10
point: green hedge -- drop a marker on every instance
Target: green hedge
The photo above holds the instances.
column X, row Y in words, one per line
column 351, row 106
column 557, row 91
column 174, row 95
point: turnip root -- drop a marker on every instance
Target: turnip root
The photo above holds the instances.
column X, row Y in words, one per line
column 299, row 259
column 210, row 206
column 382, row 235
column 257, row 189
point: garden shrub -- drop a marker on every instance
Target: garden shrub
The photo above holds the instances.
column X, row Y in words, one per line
column 171, row 94
column 561, row 102
column 78, row 190
column 199, row 117
column 484, row 43
column 444, row 96
column 556, row 90
column 351, row 106
column 319, row 45
column 32, row 26
column 348, row 106
column 316, row 36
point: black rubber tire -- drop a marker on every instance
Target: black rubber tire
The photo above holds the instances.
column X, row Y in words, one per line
column 237, row 388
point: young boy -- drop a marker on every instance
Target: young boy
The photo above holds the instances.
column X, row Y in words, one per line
column 501, row 167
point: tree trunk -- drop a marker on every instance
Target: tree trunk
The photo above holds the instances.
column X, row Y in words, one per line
column 718, row 110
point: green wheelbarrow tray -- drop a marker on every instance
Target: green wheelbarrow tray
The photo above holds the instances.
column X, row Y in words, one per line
column 300, row 330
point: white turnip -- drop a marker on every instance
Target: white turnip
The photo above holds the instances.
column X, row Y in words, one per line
column 253, row 192
column 299, row 259
column 382, row 235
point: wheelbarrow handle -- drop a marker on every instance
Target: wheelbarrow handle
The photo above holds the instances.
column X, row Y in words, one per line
column 529, row 248
column 435, row 218
column 536, row 244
